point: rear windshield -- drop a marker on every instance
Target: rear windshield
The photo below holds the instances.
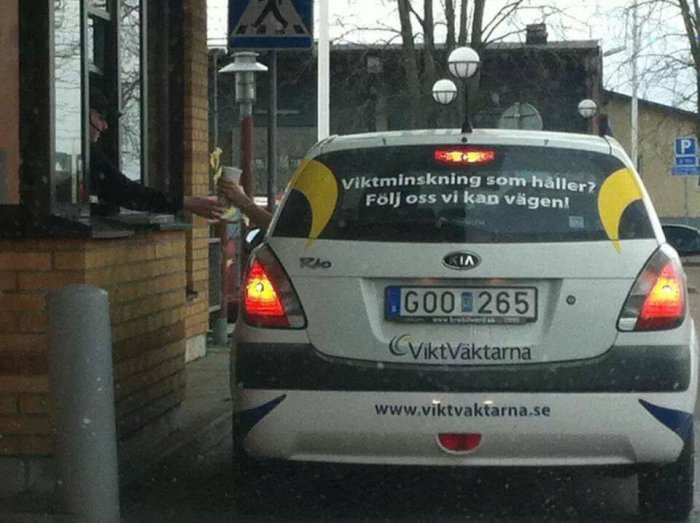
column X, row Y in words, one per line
column 431, row 194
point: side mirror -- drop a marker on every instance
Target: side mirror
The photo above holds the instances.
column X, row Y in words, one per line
column 685, row 239
column 253, row 238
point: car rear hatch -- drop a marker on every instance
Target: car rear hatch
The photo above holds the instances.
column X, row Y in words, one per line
column 445, row 255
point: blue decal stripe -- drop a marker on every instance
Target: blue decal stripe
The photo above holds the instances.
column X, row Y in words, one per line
column 678, row 421
column 245, row 420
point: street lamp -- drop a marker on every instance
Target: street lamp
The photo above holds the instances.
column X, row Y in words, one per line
column 587, row 108
column 463, row 63
column 244, row 66
column 444, row 91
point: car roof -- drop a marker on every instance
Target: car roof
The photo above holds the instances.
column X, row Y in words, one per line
column 586, row 142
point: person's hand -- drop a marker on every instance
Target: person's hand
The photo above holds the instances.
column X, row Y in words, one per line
column 234, row 194
column 205, row 206
column 232, row 191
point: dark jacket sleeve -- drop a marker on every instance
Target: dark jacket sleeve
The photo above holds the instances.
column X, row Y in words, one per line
column 115, row 189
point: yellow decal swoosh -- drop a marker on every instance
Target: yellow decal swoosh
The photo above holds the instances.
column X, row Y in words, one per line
column 320, row 188
column 618, row 192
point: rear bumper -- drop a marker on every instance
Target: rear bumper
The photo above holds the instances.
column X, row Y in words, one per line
column 621, row 369
column 517, row 429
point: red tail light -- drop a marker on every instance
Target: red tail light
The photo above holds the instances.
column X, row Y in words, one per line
column 658, row 296
column 464, row 156
column 269, row 300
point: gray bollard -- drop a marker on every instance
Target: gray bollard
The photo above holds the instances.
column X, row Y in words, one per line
column 80, row 376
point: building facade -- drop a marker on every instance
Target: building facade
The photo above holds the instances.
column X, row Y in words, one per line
column 150, row 58
column 368, row 93
column 676, row 198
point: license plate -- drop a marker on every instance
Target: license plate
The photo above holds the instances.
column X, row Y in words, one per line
column 487, row 305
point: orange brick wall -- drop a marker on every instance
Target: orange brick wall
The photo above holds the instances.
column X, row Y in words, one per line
column 145, row 279
column 9, row 108
column 196, row 161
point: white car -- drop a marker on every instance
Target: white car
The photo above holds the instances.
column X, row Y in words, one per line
column 495, row 298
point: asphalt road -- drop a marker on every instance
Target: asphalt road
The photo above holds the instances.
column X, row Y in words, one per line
column 199, row 488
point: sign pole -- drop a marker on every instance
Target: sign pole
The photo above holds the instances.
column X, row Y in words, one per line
column 323, row 72
column 272, row 132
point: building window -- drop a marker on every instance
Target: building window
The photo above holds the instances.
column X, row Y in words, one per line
column 97, row 43
column 71, row 46
column 131, row 128
column 68, row 105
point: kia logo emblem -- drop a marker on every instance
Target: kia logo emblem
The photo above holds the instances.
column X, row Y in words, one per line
column 461, row 261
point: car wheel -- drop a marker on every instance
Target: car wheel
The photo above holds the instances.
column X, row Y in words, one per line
column 667, row 491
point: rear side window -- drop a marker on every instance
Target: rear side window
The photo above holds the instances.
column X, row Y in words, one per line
column 464, row 194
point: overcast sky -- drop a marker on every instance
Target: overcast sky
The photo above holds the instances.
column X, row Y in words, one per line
column 608, row 21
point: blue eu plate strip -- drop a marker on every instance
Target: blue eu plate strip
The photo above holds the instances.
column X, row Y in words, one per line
column 393, row 302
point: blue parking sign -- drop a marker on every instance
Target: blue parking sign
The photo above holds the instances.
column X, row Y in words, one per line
column 685, row 158
column 686, row 146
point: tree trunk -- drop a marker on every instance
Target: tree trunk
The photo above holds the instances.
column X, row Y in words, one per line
column 477, row 24
column 410, row 63
column 691, row 20
column 462, row 39
column 450, row 21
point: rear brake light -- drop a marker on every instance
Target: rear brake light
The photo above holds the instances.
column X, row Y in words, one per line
column 464, row 156
column 658, row 296
column 269, row 300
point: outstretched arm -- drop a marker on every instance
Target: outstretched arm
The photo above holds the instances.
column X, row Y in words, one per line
column 235, row 195
column 203, row 206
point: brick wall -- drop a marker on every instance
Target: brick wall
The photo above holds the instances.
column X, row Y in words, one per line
column 145, row 279
column 196, row 161
column 9, row 108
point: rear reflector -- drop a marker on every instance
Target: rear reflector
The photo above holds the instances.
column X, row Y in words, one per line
column 658, row 296
column 459, row 441
column 464, row 156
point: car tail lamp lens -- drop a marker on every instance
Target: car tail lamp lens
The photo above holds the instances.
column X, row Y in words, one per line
column 464, row 156
column 658, row 296
column 269, row 300
column 459, row 441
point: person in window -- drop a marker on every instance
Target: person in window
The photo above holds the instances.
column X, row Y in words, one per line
column 115, row 190
column 234, row 194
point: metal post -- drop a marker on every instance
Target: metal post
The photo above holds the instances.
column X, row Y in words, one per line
column 80, row 376
column 248, row 174
column 220, row 327
column 466, row 124
column 215, row 100
column 323, row 80
column 634, row 110
column 272, row 133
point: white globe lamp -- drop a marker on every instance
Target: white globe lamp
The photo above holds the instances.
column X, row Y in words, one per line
column 587, row 108
column 463, row 62
column 444, row 91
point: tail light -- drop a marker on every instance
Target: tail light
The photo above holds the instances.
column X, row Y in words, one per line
column 657, row 300
column 269, row 300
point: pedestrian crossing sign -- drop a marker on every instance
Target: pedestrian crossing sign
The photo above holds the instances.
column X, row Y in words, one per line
column 270, row 24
